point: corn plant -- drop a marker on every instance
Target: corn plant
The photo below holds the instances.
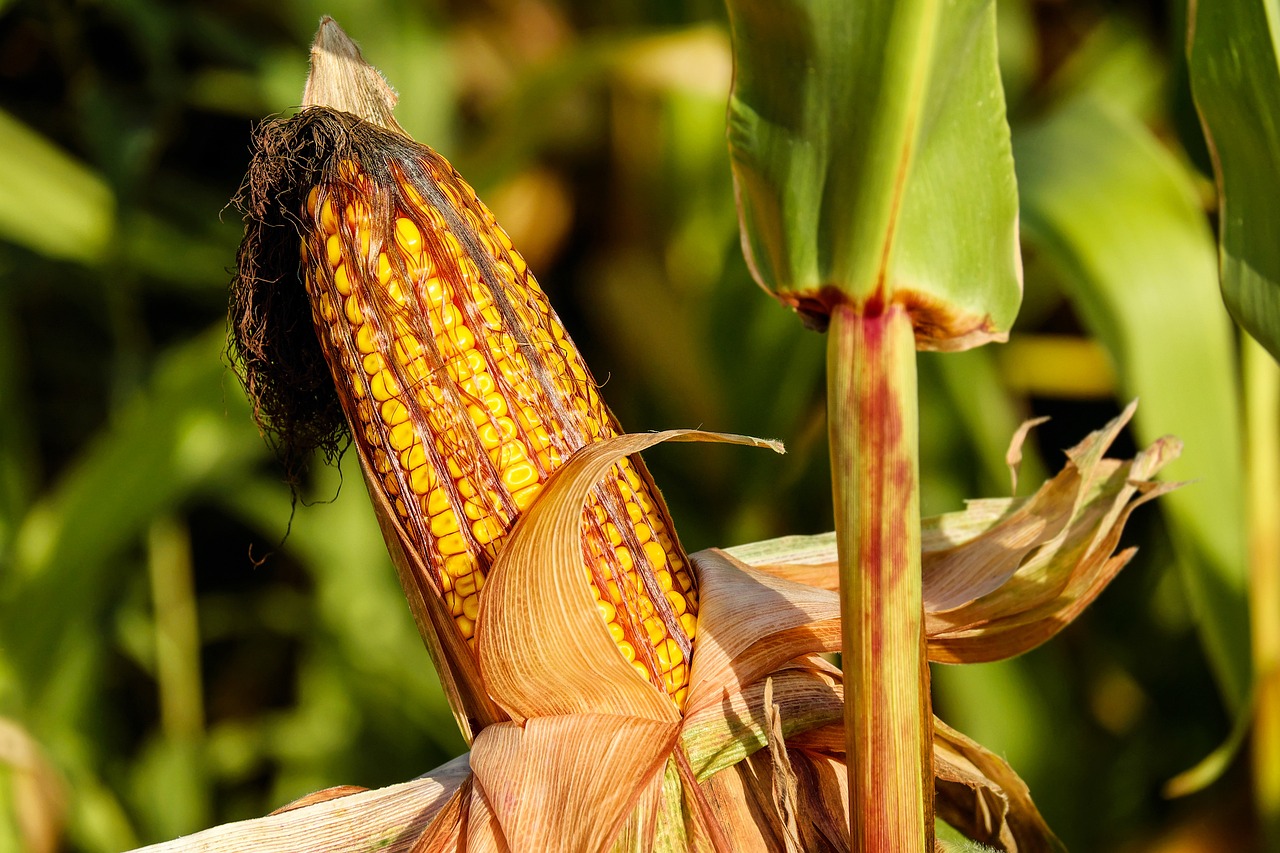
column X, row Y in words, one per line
column 1108, row 217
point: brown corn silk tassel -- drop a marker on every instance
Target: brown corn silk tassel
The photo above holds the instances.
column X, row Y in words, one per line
column 460, row 388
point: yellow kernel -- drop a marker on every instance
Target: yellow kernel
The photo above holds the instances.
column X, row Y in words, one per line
column 333, row 251
column 394, row 413
column 467, row 584
column 664, row 580
column 402, row 436
column 511, row 453
column 454, row 543
column 643, row 533
column 366, row 339
column 437, row 502
column 633, row 479
column 328, row 218
column 474, row 510
column 685, row 581
column 627, row 651
column 354, row 315
column 677, row 602
column 357, row 214
column 689, row 623
column 655, row 555
column 518, row 264
column 340, row 279
column 518, row 477
column 408, row 236
column 450, row 317
column 471, row 606
column 326, row 308
column 373, row 362
column 461, row 337
column 381, row 461
column 413, row 457
column 384, row 268
column 460, row 565
column 384, row 386
column 495, row 432
column 453, row 601
column 625, row 562
column 448, row 242
column 635, row 513
column 550, row 458
column 680, row 696
column 433, row 289
column 444, row 524
column 640, row 669
column 539, row 438
column 466, row 627
column 615, row 595
column 679, row 674
column 612, row 532
column 486, row 530
column 312, row 197
column 669, row 654
column 654, row 629
column 616, row 632
column 524, row 497
column 607, row 611
column 421, row 479
column 496, row 404
column 479, row 385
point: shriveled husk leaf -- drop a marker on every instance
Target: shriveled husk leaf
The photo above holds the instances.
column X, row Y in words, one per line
column 751, row 624
column 1004, row 575
column 785, row 793
column 979, row 794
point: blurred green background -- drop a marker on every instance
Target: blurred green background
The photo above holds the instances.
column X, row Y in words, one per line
column 181, row 645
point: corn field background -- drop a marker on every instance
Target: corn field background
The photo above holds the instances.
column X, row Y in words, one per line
column 181, row 645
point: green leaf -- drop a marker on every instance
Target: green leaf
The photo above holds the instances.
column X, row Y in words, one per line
column 1235, row 78
column 49, row 202
column 189, row 430
column 882, row 172
column 1117, row 217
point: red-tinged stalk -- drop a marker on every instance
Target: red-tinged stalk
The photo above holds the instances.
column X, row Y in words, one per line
column 874, row 432
column 1262, row 425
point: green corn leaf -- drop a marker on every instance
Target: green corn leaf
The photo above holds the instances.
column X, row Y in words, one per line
column 871, row 156
column 1235, row 77
column 189, row 430
column 1116, row 215
column 51, row 203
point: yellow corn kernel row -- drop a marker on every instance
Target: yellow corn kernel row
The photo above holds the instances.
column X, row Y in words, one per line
column 468, row 393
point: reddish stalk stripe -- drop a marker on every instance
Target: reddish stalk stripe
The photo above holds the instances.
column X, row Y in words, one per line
column 887, row 718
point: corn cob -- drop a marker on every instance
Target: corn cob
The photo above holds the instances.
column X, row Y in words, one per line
column 465, row 393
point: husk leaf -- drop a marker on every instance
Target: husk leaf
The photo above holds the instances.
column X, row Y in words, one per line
column 541, row 779
column 543, row 649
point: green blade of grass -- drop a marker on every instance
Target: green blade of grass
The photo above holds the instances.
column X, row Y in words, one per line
column 1117, row 218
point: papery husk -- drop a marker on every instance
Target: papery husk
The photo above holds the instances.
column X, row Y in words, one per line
column 542, row 778
column 757, row 760
column 538, row 627
column 977, row 792
column 1005, row 575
